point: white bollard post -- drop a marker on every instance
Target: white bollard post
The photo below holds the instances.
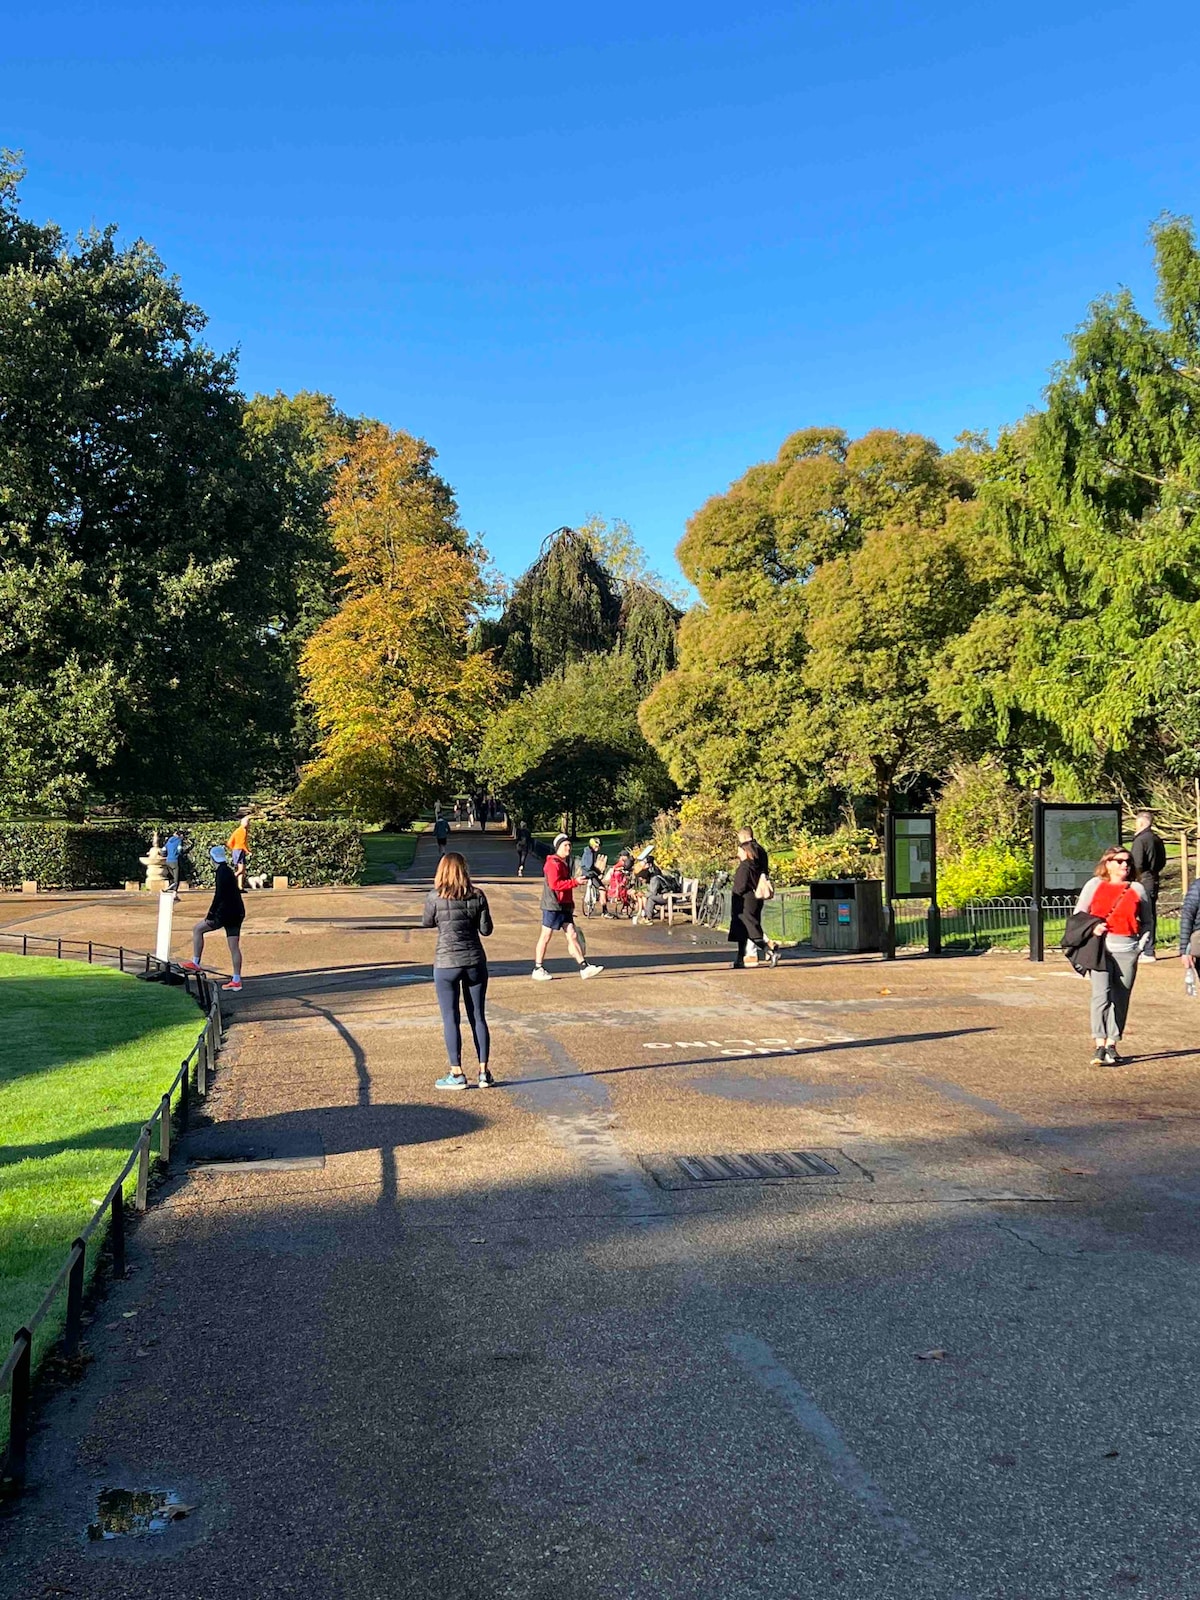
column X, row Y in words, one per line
column 166, row 911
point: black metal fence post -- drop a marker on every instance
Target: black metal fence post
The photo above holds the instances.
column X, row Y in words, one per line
column 117, row 1234
column 18, row 1409
column 74, row 1328
column 1037, row 926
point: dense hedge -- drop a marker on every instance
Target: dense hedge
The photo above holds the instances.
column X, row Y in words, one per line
column 104, row 855
column 71, row 855
column 306, row 853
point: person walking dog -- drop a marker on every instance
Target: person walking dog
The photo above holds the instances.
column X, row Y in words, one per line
column 1149, row 856
column 459, row 911
column 558, row 912
column 745, row 900
column 1121, row 910
column 228, row 911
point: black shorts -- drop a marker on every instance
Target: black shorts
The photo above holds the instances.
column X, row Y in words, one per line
column 233, row 930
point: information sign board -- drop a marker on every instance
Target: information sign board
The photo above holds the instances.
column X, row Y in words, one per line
column 912, row 858
column 1074, row 837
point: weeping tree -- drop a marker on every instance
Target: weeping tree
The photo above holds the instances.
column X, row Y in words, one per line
column 646, row 632
column 565, row 607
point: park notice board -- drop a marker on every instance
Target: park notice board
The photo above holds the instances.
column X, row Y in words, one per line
column 1074, row 837
column 912, row 851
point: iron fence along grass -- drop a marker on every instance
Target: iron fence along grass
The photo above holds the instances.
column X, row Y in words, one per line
column 17, row 1371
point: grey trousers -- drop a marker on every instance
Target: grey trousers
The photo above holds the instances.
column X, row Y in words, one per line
column 1111, row 990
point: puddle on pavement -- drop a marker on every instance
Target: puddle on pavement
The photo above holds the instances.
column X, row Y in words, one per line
column 133, row 1513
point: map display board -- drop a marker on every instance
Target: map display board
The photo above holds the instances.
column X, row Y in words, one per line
column 1073, row 840
column 913, row 870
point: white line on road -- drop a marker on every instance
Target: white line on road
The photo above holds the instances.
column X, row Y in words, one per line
column 760, row 1362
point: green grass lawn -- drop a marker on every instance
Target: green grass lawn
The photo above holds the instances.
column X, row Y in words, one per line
column 384, row 850
column 86, row 1055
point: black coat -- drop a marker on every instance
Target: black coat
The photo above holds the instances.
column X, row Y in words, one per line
column 745, row 908
column 1083, row 948
column 1149, row 856
column 228, row 909
column 459, row 923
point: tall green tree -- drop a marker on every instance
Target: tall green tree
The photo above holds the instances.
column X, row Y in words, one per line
column 1084, row 668
column 760, row 712
column 138, row 660
column 571, row 747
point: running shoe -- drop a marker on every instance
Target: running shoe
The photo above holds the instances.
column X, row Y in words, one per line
column 1111, row 1058
column 590, row 971
column 486, row 1081
column 452, row 1080
column 234, row 983
column 540, row 975
column 189, row 966
column 1100, row 1058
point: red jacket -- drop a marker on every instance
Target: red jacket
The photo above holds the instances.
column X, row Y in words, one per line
column 560, row 881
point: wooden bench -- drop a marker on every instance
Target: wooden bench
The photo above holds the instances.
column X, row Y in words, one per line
column 675, row 905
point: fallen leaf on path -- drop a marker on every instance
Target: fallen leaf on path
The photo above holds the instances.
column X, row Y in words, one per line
column 129, row 1313
column 930, row 1355
column 885, row 991
column 478, row 1241
column 1111, row 1455
column 176, row 1513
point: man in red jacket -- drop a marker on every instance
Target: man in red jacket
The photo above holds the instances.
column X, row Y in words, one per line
column 558, row 911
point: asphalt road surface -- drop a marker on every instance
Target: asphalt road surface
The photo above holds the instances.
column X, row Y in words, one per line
column 501, row 1343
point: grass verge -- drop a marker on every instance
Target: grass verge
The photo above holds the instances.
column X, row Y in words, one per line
column 87, row 1055
column 385, row 850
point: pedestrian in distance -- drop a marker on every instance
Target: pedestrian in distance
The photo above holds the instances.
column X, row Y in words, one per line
column 1149, row 856
column 745, row 903
column 524, row 842
column 228, row 911
column 558, row 912
column 238, row 846
column 1189, row 935
column 171, row 850
column 459, row 911
column 441, row 832
column 1120, row 907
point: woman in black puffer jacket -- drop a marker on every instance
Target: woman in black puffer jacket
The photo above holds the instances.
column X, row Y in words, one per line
column 460, row 914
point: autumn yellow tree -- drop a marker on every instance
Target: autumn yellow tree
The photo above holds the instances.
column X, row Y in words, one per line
column 399, row 702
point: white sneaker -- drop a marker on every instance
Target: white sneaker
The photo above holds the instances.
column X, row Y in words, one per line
column 590, row 971
column 1147, row 955
column 541, row 975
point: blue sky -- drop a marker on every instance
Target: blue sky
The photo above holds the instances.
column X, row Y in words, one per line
column 606, row 260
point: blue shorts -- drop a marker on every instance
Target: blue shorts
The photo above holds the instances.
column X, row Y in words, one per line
column 558, row 920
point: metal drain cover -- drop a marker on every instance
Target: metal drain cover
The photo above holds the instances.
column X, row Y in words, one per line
column 752, row 1166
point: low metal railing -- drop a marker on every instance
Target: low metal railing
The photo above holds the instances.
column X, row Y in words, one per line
column 17, row 1370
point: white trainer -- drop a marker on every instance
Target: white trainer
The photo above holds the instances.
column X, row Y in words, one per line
column 590, row 971
column 541, row 975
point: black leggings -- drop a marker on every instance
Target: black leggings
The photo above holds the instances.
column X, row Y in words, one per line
column 471, row 983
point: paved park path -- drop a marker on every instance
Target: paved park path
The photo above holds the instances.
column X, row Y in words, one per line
column 495, row 1345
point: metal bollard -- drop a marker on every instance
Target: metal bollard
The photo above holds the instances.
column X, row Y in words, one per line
column 164, row 1131
column 74, row 1326
column 117, row 1236
column 141, row 1193
column 60, row 949
column 18, row 1427
column 89, row 952
column 121, row 957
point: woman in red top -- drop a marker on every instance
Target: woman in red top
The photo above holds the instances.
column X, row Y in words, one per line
column 1120, row 908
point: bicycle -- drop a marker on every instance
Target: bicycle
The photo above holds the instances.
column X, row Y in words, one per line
column 711, row 910
column 593, row 897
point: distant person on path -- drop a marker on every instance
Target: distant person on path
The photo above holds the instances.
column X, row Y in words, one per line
column 524, row 841
column 228, row 911
column 441, row 832
column 172, row 848
column 558, row 912
column 238, row 845
column 481, row 812
column 1121, row 908
column 1189, row 931
column 745, row 919
column 1149, row 855
column 459, row 911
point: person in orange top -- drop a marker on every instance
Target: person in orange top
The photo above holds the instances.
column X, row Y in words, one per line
column 1121, row 908
column 238, row 845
